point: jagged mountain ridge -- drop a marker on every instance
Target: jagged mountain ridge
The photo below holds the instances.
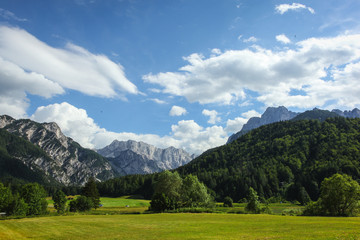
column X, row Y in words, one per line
column 281, row 113
column 131, row 157
column 68, row 162
column 271, row 115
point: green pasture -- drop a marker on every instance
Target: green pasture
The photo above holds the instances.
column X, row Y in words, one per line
column 125, row 204
column 180, row 226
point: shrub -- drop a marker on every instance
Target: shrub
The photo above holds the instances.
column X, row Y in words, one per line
column 228, row 202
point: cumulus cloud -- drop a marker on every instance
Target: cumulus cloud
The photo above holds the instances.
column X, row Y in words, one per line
column 72, row 67
column 213, row 116
column 315, row 66
column 235, row 125
column 177, row 111
column 250, row 114
column 283, row 39
column 76, row 124
column 283, row 8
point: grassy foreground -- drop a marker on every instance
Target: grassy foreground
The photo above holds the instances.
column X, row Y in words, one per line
column 180, row 226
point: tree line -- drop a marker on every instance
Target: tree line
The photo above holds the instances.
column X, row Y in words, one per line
column 30, row 200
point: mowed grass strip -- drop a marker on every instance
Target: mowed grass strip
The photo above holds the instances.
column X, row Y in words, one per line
column 181, row 226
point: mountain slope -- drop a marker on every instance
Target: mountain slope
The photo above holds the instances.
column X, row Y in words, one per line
column 288, row 158
column 131, row 157
column 18, row 158
column 67, row 161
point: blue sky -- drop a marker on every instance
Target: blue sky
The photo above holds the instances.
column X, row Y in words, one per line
column 183, row 73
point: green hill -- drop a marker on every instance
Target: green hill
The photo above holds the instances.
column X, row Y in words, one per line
column 288, row 159
column 315, row 114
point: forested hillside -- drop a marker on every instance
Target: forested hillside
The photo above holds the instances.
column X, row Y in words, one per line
column 286, row 159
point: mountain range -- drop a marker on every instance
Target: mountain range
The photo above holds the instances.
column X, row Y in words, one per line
column 66, row 162
column 31, row 150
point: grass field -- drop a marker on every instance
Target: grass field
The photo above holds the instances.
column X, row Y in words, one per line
column 113, row 221
column 180, row 226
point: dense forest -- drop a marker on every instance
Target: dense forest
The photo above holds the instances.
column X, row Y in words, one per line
column 287, row 160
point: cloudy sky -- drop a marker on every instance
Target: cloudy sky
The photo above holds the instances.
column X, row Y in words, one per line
column 180, row 73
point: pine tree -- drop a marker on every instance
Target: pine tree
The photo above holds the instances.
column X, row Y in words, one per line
column 90, row 190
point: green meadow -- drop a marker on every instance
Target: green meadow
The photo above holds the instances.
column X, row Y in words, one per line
column 116, row 220
column 180, row 226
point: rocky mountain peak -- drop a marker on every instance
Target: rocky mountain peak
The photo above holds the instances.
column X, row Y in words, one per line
column 5, row 120
column 124, row 155
column 271, row 115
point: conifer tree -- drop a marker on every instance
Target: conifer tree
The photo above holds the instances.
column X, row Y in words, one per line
column 90, row 190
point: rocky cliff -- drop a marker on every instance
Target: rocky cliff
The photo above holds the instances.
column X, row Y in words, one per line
column 67, row 162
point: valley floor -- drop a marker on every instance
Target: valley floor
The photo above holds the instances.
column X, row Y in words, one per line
column 180, row 226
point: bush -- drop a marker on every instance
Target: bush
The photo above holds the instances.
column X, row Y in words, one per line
column 228, row 202
column 160, row 202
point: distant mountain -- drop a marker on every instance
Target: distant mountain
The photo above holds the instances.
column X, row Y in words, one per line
column 355, row 113
column 65, row 161
column 271, row 115
column 281, row 113
column 131, row 157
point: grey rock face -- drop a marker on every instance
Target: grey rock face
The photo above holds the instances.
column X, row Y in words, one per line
column 131, row 157
column 271, row 115
column 68, row 162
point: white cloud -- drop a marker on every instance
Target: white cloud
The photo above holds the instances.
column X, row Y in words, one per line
column 15, row 83
column 216, row 51
column 72, row 67
column 250, row 39
column 250, row 114
column 75, row 123
column 235, row 125
column 213, row 116
column 283, row 8
column 158, row 101
column 310, row 68
column 283, row 39
column 177, row 111
column 195, row 138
